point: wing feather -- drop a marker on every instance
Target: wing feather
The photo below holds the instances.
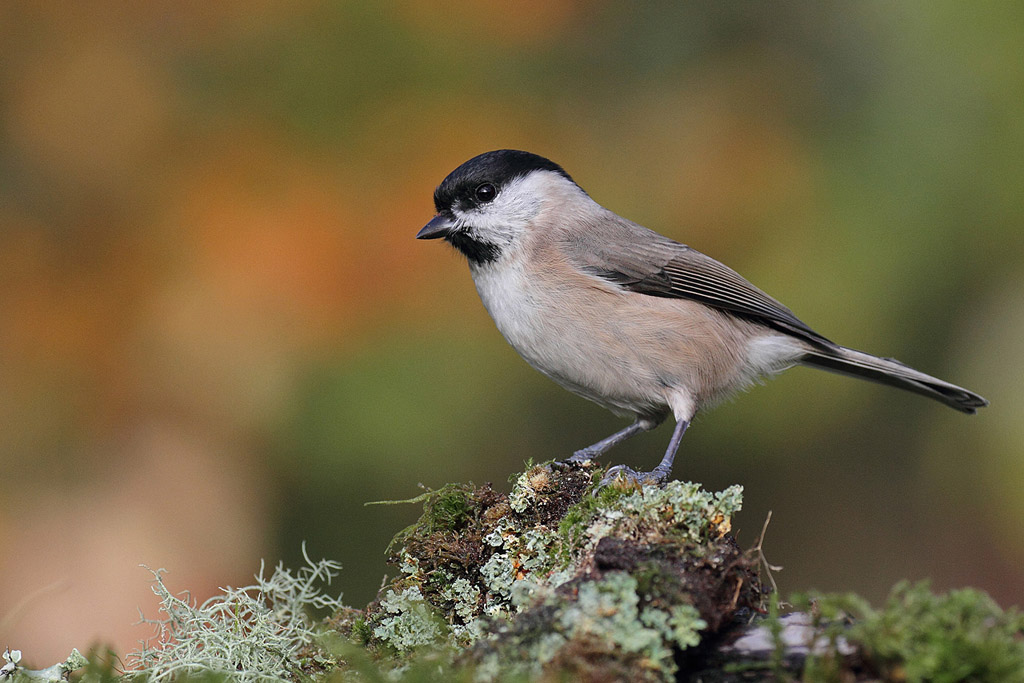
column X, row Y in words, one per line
column 642, row 261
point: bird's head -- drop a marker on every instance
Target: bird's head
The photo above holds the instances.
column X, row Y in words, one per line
column 487, row 204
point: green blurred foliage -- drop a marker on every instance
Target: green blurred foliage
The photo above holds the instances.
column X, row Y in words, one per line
column 206, row 222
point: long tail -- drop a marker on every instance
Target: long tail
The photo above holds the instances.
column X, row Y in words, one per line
column 894, row 373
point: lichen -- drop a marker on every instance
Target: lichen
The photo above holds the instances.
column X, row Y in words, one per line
column 611, row 611
column 407, row 621
column 560, row 580
column 256, row 633
column 602, row 620
column 542, row 580
column 58, row 673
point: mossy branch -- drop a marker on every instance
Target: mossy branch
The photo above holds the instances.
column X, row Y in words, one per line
column 562, row 580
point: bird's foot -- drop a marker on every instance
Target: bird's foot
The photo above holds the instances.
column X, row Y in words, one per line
column 583, row 455
column 626, row 477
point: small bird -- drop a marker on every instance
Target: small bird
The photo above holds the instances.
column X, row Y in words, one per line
column 636, row 322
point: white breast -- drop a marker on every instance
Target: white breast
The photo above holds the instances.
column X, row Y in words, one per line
column 507, row 293
column 557, row 338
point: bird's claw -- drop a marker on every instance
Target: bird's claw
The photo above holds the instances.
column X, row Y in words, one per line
column 577, row 459
column 623, row 476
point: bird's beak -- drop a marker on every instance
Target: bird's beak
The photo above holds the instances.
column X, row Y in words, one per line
column 439, row 226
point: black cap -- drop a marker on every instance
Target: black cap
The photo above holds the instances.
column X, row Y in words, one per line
column 497, row 167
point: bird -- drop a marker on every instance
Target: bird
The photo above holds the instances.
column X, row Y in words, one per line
column 641, row 324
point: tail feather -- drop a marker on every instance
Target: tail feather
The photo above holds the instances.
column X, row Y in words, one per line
column 893, row 373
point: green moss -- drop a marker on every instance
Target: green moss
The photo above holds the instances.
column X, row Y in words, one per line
column 361, row 631
column 658, row 584
column 446, row 509
column 916, row 636
column 572, row 528
column 919, row 636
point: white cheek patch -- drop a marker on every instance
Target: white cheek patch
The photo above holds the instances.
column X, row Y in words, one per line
column 503, row 220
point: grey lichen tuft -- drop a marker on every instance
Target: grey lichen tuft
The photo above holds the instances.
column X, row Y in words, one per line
column 257, row 633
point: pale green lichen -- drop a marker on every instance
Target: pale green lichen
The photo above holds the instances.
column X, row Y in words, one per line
column 680, row 624
column 408, row 621
column 249, row 634
column 464, row 598
column 680, row 508
column 610, row 611
column 522, row 555
column 58, row 673
column 523, row 494
column 606, row 617
column 410, row 566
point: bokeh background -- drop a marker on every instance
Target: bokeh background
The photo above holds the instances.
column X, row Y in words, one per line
column 219, row 339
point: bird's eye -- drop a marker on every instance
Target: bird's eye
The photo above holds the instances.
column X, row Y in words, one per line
column 485, row 192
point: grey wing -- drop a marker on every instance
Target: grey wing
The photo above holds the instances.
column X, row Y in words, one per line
column 642, row 261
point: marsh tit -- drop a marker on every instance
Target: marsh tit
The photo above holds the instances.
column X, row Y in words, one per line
column 634, row 321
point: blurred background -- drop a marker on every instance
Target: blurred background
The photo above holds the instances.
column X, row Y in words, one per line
column 219, row 339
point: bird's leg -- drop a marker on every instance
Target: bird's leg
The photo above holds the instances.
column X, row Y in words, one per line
column 664, row 468
column 591, row 452
column 661, row 473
